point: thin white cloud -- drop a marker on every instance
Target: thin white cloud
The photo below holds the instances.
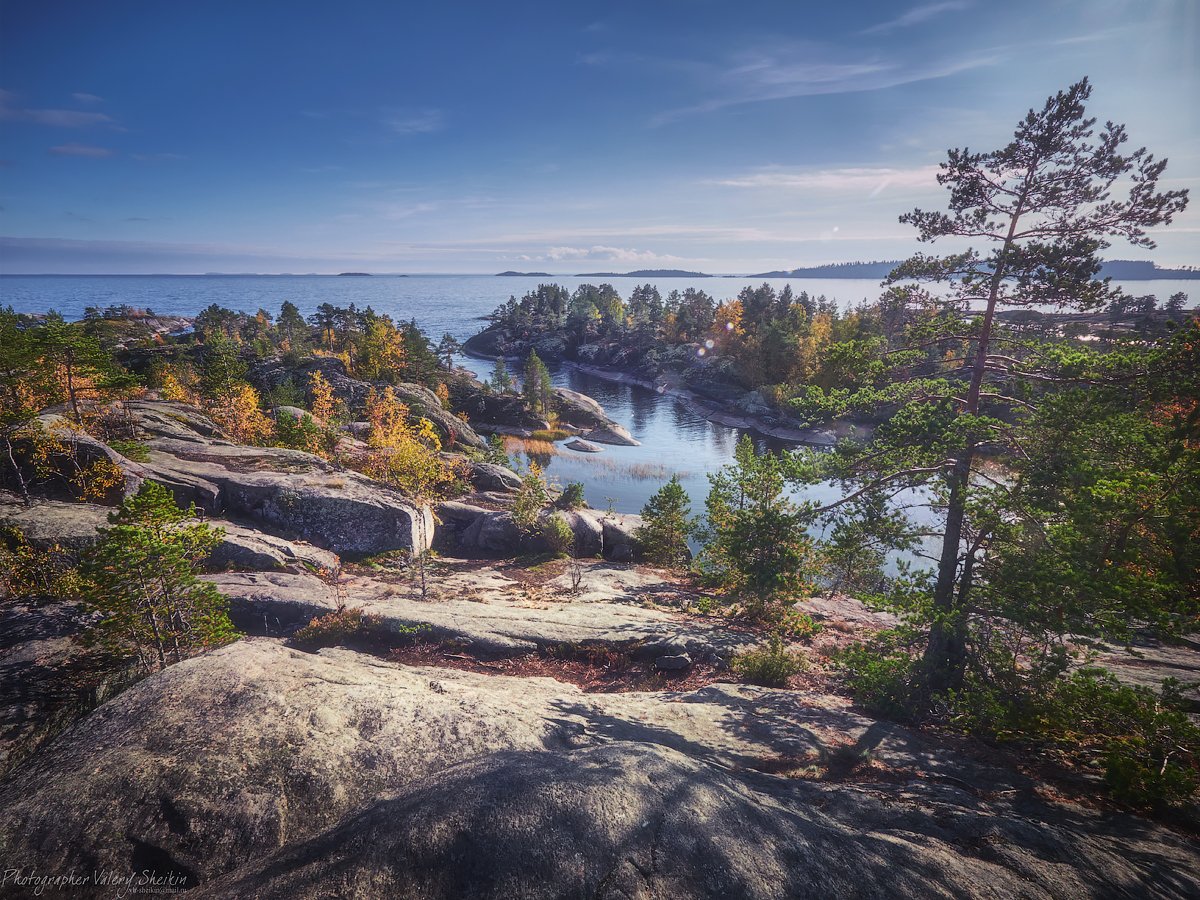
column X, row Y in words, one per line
column 601, row 253
column 871, row 181
column 917, row 15
column 422, row 121
column 12, row 111
column 81, row 150
column 762, row 76
column 83, row 97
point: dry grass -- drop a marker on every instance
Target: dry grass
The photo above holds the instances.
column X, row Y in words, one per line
column 530, row 447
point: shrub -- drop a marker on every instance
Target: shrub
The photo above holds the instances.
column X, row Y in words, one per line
column 1150, row 748
column 31, row 573
column 141, row 579
column 572, row 496
column 532, row 497
column 666, row 526
column 558, row 535
column 1142, row 741
column 770, row 664
column 880, row 675
column 756, row 546
column 497, row 453
column 351, row 627
column 305, row 434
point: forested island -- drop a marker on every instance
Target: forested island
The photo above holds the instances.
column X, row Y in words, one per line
column 291, row 607
column 1120, row 269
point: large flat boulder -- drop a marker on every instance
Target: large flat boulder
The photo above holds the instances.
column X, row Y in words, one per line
column 257, row 770
column 73, row 527
column 614, row 434
column 635, row 819
column 485, row 611
column 294, row 494
column 580, row 409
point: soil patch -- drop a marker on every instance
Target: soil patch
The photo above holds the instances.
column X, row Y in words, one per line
column 598, row 670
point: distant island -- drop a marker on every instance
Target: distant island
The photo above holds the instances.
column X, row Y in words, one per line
column 645, row 273
column 1121, row 269
column 511, row 274
column 354, row 274
column 873, row 269
column 1144, row 270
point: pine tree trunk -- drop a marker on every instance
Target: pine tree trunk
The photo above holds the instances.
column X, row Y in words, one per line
column 945, row 655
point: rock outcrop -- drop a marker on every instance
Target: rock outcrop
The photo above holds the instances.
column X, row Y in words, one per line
column 353, row 394
column 294, row 494
column 481, row 609
column 612, row 434
column 73, row 527
column 257, row 770
column 581, row 446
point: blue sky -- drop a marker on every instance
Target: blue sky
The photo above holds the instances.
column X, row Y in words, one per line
column 552, row 136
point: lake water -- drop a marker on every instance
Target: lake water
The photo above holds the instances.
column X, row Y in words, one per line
column 674, row 439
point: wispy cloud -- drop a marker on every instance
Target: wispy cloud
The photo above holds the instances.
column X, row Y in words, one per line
column 407, row 122
column 12, row 111
column 917, row 15
column 871, row 181
column 82, row 97
column 81, row 150
column 599, row 253
column 802, row 70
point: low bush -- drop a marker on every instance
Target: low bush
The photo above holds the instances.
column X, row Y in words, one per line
column 771, row 664
column 558, row 535
column 1141, row 741
column 351, row 627
column 572, row 496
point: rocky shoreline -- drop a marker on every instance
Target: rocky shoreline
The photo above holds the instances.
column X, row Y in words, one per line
column 728, row 414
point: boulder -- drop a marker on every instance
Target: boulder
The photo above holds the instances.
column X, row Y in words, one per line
column 492, row 533
column 620, row 545
column 612, row 434
column 47, row 523
column 484, row 610
column 73, row 526
column 295, row 494
column 169, row 419
column 276, row 373
column 257, row 551
column 580, row 409
column 488, row 344
column 490, row 477
column 47, row 681
column 550, row 348
column 453, row 518
column 589, row 533
column 673, row 663
column 581, row 446
column 257, row 770
column 489, row 412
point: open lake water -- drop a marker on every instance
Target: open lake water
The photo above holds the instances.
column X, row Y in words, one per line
column 674, row 440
